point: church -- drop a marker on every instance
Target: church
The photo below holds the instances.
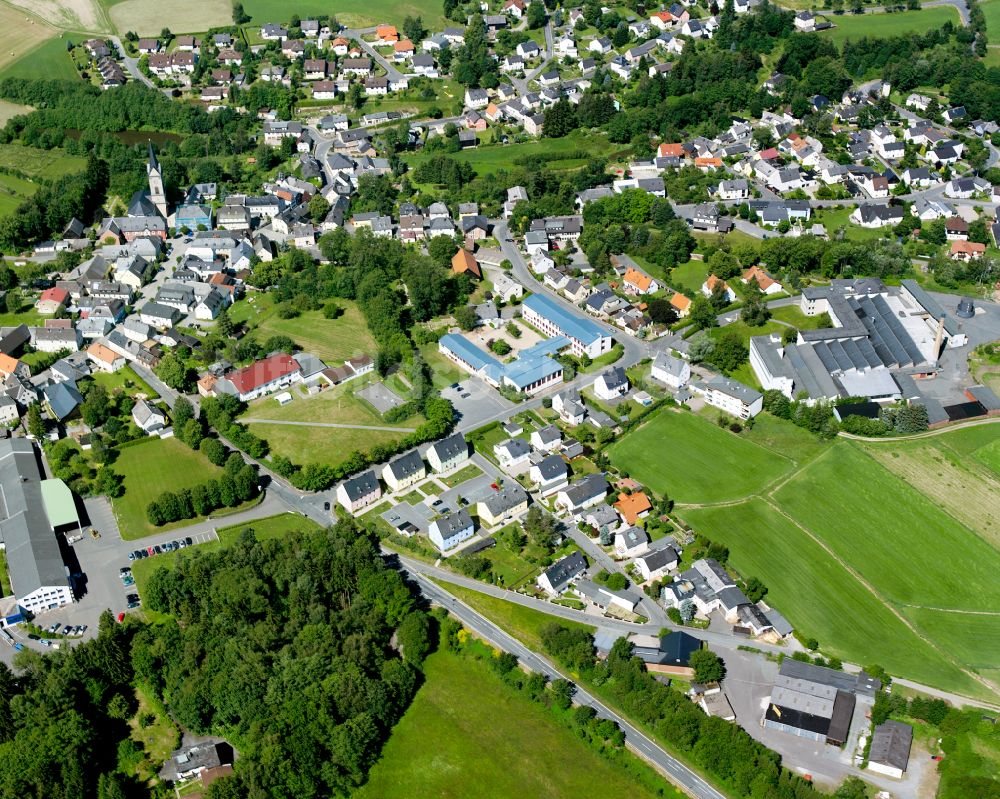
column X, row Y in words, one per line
column 151, row 201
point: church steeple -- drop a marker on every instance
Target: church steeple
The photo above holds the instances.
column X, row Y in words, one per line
column 156, row 192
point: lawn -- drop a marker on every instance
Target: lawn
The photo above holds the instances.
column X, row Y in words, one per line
column 818, row 595
column 835, row 218
column 445, row 371
column 479, row 728
column 780, row 435
column 40, row 55
column 745, row 332
column 991, row 11
column 689, row 276
column 692, row 460
column 124, row 380
column 4, row 574
column 149, row 469
column 158, row 739
column 487, row 159
column 331, row 340
column 13, row 191
column 793, row 315
column 337, row 405
column 857, row 26
column 465, row 473
column 519, row 621
column 303, row 445
column 894, row 536
column 972, row 639
column 351, row 14
column 511, row 569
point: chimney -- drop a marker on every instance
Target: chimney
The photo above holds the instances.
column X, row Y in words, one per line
column 939, row 339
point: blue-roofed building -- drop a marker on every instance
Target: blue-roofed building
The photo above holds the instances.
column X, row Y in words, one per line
column 532, row 371
column 190, row 215
column 550, row 317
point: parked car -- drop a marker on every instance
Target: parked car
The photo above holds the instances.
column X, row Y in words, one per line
column 121, row 617
column 131, row 556
column 54, row 627
column 189, row 541
column 68, row 629
column 157, row 549
column 151, row 552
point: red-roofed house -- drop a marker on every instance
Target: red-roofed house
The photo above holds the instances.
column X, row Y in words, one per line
column 636, row 282
column 770, row 154
column 670, row 150
column 767, row 284
column 967, row 251
column 465, row 262
column 52, row 300
column 262, row 377
column 709, row 286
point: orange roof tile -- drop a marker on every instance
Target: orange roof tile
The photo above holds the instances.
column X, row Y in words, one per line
column 631, row 506
column 465, row 261
column 638, row 279
column 8, row 364
column 763, row 279
column 708, row 161
column 666, row 150
column 680, row 302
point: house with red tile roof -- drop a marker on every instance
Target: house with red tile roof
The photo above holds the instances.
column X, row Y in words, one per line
column 767, row 284
column 261, row 377
column 52, row 300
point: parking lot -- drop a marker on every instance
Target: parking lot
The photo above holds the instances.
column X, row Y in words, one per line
column 475, row 402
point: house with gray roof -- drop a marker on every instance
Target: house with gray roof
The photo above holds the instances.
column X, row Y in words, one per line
column 450, row 531
column 586, row 492
column 448, row 453
column 556, row 579
column 890, row 750
column 551, row 474
column 359, row 491
column 503, row 505
column 404, row 471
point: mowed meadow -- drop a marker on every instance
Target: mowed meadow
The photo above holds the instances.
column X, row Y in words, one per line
column 886, row 552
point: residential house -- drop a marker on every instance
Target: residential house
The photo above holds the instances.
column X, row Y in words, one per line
column 449, row 531
column 550, row 475
column 634, row 506
column 611, row 384
column 148, row 417
column 731, row 396
column 274, row 373
column 656, row 564
column 448, row 453
column 768, row 285
column 673, row 372
column 52, row 301
column 708, row 287
column 586, row 492
column 359, row 492
column 546, row 439
column 631, row 542
column 104, row 358
column 557, row 578
column 503, row 505
column 405, row 470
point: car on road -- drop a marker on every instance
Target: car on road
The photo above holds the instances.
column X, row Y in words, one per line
column 131, row 555
column 326, row 506
column 189, row 541
column 157, row 549
column 466, row 395
column 149, row 551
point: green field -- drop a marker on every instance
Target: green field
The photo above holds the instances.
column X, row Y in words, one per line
column 892, row 535
column 328, row 445
column 692, row 460
column 818, row 595
column 49, row 58
column 972, row 639
column 487, row 159
column 13, row 191
column 331, row 340
column 991, row 10
column 351, row 14
column 46, row 164
column 149, row 469
column 337, row 405
column 856, row 26
column 125, row 380
column 466, row 734
column 689, row 276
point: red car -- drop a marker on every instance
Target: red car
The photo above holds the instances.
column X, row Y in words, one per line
column 121, row 617
column 150, row 551
column 494, row 486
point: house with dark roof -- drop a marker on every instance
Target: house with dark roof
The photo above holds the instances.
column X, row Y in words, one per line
column 503, row 505
column 611, row 384
column 450, row 531
column 359, row 492
column 890, row 751
column 404, row 471
column 551, row 474
column 556, row 579
column 657, row 563
column 666, row 654
column 448, row 453
column 586, row 492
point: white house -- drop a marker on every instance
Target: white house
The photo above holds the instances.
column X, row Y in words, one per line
column 569, row 405
column 673, row 372
column 556, row 579
column 584, row 493
column 611, row 384
column 709, row 286
column 404, row 471
column 148, row 417
column 550, row 475
column 656, row 564
column 731, row 396
column 450, row 531
column 512, row 455
column 547, row 439
column 631, row 542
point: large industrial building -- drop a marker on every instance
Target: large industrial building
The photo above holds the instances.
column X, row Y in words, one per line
column 878, row 333
column 815, row 702
column 32, row 511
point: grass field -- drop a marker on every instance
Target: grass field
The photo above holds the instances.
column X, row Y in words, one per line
column 185, row 16
column 320, row 444
column 973, row 639
column 46, row 56
column 124, row 380
column 149, row 469
column 46, row 164
column 891, row 534
column 779, row 435
column 818, row 595
column 349, row 13
column 20, row 33
column 14, row 191
column 856, row 26
column 487, row 742
column 331, row 340
column 793, row 315
column 991, row 10
column 489, row 159
column 692, row 460
column 338, row 405
column 689, row 276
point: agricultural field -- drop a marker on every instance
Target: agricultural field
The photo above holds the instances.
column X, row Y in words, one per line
column 184, row 16
column 478, row 726
column 20, row 33
column 331, row 340
column 857, row 26
column 819, row 596
column 892, row 535
column 693, row 461
column 46, row 164
column 578, row 147
column 149, row 469
column 349, row 13
column 69, row 15
column 48, row 56
column 10, row 110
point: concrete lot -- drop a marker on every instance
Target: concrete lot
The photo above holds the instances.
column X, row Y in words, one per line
column 481, row 404
column 380, row 397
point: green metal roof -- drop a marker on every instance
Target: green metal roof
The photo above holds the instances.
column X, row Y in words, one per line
column 59, row 504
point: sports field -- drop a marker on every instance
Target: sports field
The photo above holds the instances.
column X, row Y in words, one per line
column 857, row 26
column 693, row 461
column 467, row 734
column 149, row 469
column 349, row 12
column 331, row 340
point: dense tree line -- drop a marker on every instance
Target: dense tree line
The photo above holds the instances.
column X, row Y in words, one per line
column 63, row 720
column 723, row 750
column 285, row 647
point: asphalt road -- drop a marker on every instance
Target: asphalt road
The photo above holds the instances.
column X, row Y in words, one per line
column 636, row 740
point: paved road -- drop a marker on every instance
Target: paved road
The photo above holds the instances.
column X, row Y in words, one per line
column 131, row 64
column 357, row 35
column 636, row 740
